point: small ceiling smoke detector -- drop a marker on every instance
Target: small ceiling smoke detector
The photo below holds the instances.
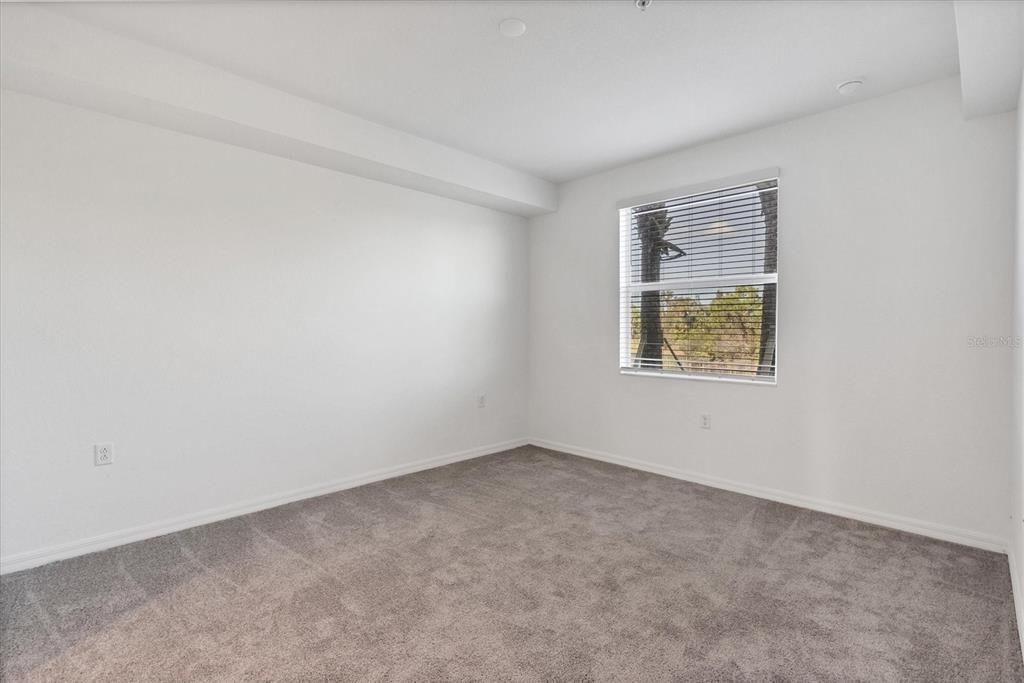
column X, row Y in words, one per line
column 850, row 88
column 643, row 4
column 512, row 28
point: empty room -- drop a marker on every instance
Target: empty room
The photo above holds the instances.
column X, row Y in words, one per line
column 496, row 340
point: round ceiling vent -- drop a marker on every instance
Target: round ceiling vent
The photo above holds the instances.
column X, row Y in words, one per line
column 849, row 88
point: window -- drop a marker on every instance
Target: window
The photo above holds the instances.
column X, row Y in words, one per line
column 698, row 276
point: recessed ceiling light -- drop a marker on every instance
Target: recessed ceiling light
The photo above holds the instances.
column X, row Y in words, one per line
column 848, row 88
column 512, row 28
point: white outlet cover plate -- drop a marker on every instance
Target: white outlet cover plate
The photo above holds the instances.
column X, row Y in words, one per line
column 103, row 454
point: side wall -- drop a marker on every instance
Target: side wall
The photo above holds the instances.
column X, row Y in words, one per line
column 1016, row 516
column 895, row 239
column 243, row 328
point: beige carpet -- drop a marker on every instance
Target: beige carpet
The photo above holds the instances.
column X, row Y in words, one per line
column 526, row 565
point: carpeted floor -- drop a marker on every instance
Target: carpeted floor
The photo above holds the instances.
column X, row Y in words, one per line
column 526, row 565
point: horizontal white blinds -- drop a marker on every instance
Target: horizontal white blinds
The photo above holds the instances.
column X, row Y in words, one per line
column 699, row 283
column 719, row 233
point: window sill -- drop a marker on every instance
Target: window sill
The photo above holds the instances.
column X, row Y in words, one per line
column 703, row 378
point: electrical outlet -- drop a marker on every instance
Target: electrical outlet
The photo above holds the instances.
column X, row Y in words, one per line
column 705, row 422
column 103, row 454
column 481, row 401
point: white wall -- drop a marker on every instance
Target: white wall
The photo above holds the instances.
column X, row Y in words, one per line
column 895, row 246
column 236, row 324
column 1017, row 453
column 221, row 316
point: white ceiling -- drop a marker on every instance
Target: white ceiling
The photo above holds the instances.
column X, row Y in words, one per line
column 589, row 86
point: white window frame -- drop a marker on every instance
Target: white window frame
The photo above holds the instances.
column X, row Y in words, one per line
column 628, row 288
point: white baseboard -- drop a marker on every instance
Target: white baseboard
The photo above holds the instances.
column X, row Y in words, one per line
column 915, row 526
column 1018, row 596
column 61, row 551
